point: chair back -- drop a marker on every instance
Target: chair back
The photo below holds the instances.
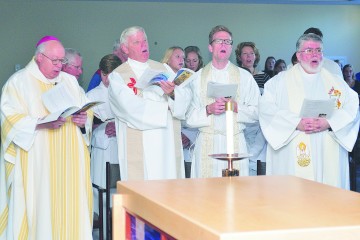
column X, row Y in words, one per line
column 112, row 176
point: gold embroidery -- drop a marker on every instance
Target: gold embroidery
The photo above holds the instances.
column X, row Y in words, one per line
column 334, row 93
column 303, row 155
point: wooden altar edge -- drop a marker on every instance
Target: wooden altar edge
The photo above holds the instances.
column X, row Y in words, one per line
column 178, row 222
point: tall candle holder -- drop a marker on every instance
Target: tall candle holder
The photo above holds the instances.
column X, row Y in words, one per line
column 230, row 156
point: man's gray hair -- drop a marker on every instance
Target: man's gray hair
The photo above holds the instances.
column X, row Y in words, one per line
column 129, row 32
column 40, row 48
column 116, row 45
column 307, row 37
column 70, row 54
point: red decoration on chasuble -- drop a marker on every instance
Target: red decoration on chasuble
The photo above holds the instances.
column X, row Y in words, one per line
column 132, row 85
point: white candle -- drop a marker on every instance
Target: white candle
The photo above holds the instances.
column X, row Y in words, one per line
column 229, row 127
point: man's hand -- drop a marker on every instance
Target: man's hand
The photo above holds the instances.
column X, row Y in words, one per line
column 52, row 125
column 217, row 107
column 185, row 141
column 313, row 125
column 79, row 119
column 110, row 130
column 167, row 87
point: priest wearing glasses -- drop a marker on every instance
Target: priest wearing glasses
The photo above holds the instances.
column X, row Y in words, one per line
column 311, row 143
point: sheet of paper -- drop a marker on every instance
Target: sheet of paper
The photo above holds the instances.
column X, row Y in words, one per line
column 216, row 90
column 58, row 98
column 317, row 108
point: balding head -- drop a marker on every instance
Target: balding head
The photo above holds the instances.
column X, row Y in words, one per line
column 50, row 57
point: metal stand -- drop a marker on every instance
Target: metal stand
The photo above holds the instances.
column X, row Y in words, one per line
column 230, row 171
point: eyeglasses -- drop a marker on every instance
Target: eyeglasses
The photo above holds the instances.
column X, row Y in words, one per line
column 223, row 41
column 76, row 67
column 311, row 51
column 56, row 61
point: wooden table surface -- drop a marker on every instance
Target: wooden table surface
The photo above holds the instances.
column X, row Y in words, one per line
column 257, row 207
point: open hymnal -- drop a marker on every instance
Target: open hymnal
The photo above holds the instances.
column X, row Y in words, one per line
column 317, row 108
column 216, row 90
column 67, row 112
column 183, row 77
column 60, row 103
column 152, row 77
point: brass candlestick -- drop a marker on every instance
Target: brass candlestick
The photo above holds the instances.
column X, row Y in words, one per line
column 230, row 171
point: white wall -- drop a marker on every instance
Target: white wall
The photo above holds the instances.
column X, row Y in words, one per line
column 91, row 27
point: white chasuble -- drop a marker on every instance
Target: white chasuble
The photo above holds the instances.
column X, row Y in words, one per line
column 212, row 136
column 45, row 174
column 320, row 156
column 149, row 137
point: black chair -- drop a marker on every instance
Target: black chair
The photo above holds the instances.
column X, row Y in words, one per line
column 112, row 176
column 260, row 167
column 98, row 221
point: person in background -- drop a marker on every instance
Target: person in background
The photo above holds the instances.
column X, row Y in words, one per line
column 208, row 113
column 248, row 56
column 354, row 155
column 269, row 66
column 193, row 58
column 96, row 78
column 329, row 64
column 280, row 65
column 339, row 63
column 349, row 77
column 147, row 120
column 46, row 191
column 193, row 61
column 174, row 59
column 293, row 60
column 314, row 148
column 74, row 64
column 103, row 141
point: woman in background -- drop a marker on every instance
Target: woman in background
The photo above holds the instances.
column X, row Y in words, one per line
column 269, row 66
column 193, row 59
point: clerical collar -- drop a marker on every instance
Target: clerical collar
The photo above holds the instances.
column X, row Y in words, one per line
column 307, row 76
column 137, row 64
column 34, row 69
column 217, row 69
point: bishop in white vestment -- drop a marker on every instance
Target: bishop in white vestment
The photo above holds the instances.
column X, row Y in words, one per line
column 45, row 185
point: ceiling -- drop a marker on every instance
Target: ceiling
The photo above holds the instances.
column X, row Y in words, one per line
column 302, row 2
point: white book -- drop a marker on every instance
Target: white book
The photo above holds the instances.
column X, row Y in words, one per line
column 60, row 103
column 151, row 77
column 67, row 112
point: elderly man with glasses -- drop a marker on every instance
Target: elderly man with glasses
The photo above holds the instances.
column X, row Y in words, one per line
column 208, row 112
column 312, row 142
column 45, row 186
column 74, row 63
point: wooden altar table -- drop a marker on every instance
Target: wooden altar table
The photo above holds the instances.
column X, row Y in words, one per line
column 231, row 208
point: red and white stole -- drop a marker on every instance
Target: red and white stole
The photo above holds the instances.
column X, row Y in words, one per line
column 134, row 141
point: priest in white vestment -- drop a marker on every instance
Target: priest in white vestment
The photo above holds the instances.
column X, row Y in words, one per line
column 208, row 114
column 147, row 120
column 45, row 190
column 311, row 147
